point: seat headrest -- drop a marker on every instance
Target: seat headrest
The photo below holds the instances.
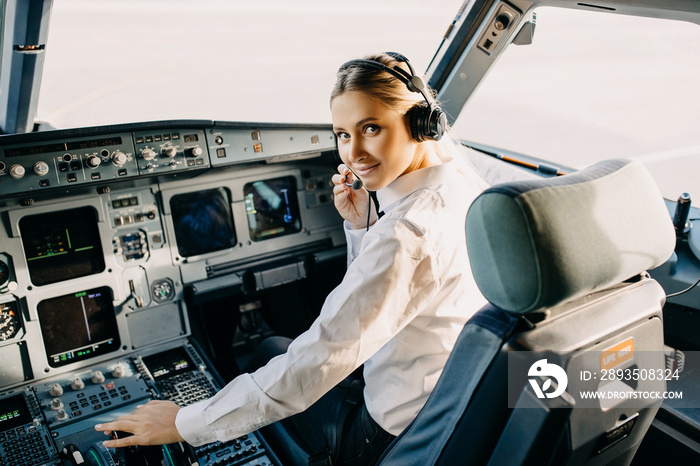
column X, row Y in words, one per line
column 536, row 243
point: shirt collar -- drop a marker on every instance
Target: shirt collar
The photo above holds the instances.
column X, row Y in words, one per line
column 412, row 182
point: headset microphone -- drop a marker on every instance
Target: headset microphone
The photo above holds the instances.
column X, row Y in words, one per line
column 357, row 184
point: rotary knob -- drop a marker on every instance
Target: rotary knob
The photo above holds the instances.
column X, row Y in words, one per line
column 56, row 404
column 196, row 151
column 93, row 161
column 148, row 154
column 170, row 151
column 41, row 168
column 502, row 22
column 56, row 390
column 61, row 415
column 17, row 171
column 77, row 384
column 98, row 377
column 118, row 371
column 118, row 158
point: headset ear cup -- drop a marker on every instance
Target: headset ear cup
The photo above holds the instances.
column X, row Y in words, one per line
column 414, row 115
column 438, row 124
column 428, row 123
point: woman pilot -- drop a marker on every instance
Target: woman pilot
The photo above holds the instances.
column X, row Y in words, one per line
column 405, row 297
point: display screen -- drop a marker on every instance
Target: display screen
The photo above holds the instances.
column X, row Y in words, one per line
column 61, row 245
column 13, row 412
column 272, row 208
column 203, row 221
column 78, row 326
column 62, row 146
column 169, row 363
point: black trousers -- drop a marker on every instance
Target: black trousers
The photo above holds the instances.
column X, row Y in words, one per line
column 337, row 429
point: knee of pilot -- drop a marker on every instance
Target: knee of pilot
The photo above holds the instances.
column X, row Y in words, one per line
column 268, row 349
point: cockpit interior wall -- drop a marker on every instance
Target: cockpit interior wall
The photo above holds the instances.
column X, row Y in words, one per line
column 146, row 261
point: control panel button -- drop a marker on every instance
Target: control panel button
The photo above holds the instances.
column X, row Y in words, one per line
column 77, row 384
column 41, row 168
column 148, row 154
column 93, row 161
column 118, row 371
column 118, row 158
column 17, row 171
column 196, row 151
column 56, row 390
column 61, row 415
column 98, row 377
column 170, row 151
column 56, row 404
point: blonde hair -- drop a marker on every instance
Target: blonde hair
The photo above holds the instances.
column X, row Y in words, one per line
column 377, row 83
column 395, row 94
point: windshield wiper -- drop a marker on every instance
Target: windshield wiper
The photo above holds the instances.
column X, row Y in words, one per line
column 540, row 167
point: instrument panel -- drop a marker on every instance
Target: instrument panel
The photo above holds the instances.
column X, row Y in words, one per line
column 108, row 236
column 37, row 163
column 53, row 422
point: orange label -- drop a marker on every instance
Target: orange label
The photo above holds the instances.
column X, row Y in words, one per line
column 616, row 355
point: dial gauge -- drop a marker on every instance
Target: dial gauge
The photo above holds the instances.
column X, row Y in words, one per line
column 10, row 322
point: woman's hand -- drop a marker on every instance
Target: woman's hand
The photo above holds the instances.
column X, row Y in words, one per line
column 351, row 203
column 151, row 424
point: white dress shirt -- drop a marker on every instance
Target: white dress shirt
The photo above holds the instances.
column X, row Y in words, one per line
column 405, row 297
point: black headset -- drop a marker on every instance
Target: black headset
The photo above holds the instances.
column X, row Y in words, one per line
column 428, row 122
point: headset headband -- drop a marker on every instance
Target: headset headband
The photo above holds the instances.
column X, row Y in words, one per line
column 413, row 82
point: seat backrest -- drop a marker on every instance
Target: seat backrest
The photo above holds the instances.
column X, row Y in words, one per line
column 562, row 263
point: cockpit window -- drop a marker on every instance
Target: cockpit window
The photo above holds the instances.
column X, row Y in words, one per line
column 594, row 86
column 123, row 61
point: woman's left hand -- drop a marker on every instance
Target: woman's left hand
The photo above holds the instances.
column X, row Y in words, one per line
column 151, row 424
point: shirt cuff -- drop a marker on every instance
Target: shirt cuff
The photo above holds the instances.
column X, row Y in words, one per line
column 191, row 425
